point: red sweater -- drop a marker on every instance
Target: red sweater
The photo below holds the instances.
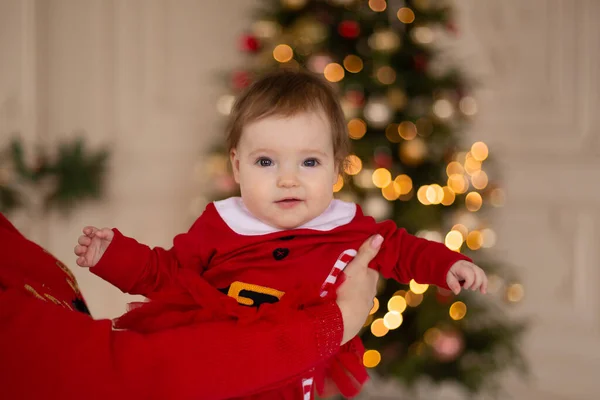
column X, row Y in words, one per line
column 256, row 264
column 49, row 350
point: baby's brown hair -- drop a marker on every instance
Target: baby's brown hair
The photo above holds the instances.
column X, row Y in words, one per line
column 287, row 93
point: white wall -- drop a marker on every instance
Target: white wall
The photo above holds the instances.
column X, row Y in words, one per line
column 139, row 76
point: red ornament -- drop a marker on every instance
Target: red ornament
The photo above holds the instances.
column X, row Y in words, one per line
column 249, row 44
column 420, row 62
column 240, row 79
column 349, row 29
column 356, row 98
column 383, row 160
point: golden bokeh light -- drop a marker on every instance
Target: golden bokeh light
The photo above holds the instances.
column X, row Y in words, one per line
column 479, row 180
column 371, row 358
column 473, row 201
column 283, row 53
column 375, row 306
column 405, row 184
column 353, row 165
column 357, row 128
column 381, row 177
column 378, row 328
column 333, row 72
column 418, row 288
column 424, row 127
column 353, row 63
column 377, row 5
column 392, row 319
column 407, row 130
column 391, row 192
column 339, row 184
column 480, row 151
column 422, row 195
column 515, row 292
column 412, row 152
column 458, row 183
column 462, row 229
column 413, row 299
column 406, row 15
column 454, row 240
column 472, row 166
column 434, row 194
column 454, row 168
column 474, row 240
column 449, row 196
column 458, row 310
column 391, row 133
column 386, row 75
column 397, row 303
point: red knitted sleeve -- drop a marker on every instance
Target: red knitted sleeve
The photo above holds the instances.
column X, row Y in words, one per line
column 404, row 257
column 47, row 350
column 136, row 268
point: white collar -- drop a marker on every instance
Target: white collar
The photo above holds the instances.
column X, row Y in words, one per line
column 235, row 214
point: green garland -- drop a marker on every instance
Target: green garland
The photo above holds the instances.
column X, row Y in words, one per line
column 62, row 181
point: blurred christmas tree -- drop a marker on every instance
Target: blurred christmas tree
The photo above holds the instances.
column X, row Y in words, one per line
column 58, row 181
column 407, row 107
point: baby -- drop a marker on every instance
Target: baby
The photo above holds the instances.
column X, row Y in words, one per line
column 283, row 243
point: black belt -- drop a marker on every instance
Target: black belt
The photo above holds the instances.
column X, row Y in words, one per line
column 251, row 295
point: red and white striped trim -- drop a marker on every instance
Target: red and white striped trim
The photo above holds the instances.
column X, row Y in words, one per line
column 307, row 388
column 343, row 260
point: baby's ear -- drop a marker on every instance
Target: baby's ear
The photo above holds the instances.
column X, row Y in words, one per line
column 336, row 173
column 235, row 165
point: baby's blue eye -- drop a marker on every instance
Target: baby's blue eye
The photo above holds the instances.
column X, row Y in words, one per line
column 311, row 162
column 264, row 162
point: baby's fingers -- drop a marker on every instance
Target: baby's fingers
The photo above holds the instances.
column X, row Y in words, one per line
column 90, row 230
column 453, row 284
column 84, row 240
column 80, row 250
column 477, row 281
column 468, row 276
column 81, row 261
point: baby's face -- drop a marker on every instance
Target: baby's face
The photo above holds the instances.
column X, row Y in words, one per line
column 286, row 168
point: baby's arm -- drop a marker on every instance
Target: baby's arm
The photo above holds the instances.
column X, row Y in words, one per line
column 136, row 268
column 404, row 257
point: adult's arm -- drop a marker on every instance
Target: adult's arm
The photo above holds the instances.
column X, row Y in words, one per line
column 49, row 351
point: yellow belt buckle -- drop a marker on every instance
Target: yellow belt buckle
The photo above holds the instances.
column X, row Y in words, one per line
column 236, row 287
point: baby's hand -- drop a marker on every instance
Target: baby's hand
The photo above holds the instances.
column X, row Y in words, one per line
column 92, row 245
column 471, row 274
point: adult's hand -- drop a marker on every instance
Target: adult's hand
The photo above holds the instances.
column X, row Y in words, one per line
column 355, row 295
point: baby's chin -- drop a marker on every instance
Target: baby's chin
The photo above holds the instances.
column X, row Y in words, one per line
column 286, row 225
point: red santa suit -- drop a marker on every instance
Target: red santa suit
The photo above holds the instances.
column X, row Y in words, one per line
column 230, row 258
